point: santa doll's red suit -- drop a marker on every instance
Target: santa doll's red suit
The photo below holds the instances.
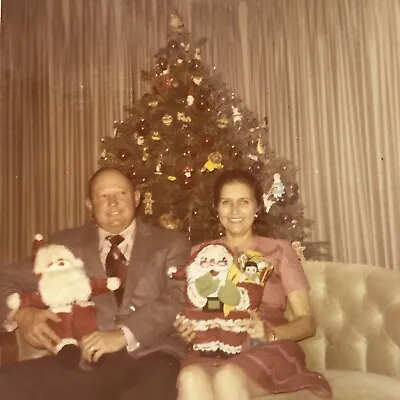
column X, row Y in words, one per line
column 65, row 289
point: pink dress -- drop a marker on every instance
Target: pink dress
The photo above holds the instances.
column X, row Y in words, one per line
column 279, row 366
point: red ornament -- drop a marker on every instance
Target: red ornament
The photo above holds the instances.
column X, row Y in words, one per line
column 123, row 154
column 142, row 128
column 173, row 45
column 202, row 104
column 162, row 64
column 208, row 141
column 195, row 65
column 256, row 167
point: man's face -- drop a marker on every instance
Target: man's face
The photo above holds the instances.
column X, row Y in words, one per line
column 113, row 202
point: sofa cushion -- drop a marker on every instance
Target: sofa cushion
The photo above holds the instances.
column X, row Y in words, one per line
column 350, row 385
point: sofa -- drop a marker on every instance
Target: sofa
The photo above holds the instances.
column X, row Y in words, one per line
column 357, row 344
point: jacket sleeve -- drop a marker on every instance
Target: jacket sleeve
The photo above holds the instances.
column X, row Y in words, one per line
column 154, row 321
column 19, row 278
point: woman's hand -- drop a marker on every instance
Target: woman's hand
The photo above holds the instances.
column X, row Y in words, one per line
column 256, row 328
column 185, row 328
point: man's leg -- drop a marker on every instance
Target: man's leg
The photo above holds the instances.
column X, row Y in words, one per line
column 47, row 379
column 154, row 378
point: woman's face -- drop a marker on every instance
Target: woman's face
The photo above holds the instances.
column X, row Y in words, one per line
column 237, row 208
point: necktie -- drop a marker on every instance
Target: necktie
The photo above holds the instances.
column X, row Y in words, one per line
column 116, row 264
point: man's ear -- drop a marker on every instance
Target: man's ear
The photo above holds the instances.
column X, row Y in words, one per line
column 137, row 197
column 89, row 205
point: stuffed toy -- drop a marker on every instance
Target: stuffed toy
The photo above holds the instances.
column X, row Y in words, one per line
column 220, row 291
column 65, row 289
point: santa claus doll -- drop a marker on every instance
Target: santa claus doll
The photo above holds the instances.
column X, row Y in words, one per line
column 65, row 289
column 220, row 291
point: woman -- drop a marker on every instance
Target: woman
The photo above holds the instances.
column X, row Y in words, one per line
column 276, row 363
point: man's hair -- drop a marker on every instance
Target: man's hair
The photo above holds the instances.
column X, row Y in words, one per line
column 104, row 169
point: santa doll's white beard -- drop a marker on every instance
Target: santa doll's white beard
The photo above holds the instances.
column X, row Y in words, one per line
column 64, row 286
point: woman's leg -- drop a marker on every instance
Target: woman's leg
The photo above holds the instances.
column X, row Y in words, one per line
column 230, row 383
column 195, row 383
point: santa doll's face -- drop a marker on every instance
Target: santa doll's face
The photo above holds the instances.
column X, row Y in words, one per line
column 53, row 258
column 213, row 258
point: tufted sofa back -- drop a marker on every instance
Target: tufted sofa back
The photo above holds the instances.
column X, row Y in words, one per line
column 357, row 309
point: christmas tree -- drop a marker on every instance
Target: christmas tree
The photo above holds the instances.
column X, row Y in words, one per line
column 187, row 128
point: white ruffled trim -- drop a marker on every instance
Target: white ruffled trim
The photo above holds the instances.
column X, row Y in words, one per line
column 228, row 325
column 217, row 345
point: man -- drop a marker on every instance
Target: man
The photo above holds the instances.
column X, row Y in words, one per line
column 135, row 350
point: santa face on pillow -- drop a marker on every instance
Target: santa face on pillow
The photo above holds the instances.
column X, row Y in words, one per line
column 220, row 290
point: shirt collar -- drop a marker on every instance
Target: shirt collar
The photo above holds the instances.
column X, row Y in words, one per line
column 127, row 233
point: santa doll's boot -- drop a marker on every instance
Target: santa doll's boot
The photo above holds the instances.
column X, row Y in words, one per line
column 67, row 350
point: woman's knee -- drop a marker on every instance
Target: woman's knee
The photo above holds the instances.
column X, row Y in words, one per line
column 193, row 376
column 230, row 374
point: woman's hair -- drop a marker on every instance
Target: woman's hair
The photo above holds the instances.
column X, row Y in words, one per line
column 238, row 175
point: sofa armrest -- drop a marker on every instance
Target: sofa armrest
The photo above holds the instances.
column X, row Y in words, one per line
column 357, row 309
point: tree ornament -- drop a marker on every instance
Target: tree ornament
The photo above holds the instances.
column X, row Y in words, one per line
column 148, row 203
column 274, row 194
column 162, row 64
column 103, row 155
column 197, row 80
column 182, row 117
column 145, row 154
column 158, row 170
column 208, row 141
column 197, row 54
column 187, row 180
column 123, row 154
column 214, row 162
column 170, row 221
column 235, row 153
column 173, row 45
column 195, row 65
column 188, row 152
column 236, row 115
column 256, row 167
column 189, row 100
column 202, row 104
column 140, row 140
column 167, row 119
column 155, row 136
column 142, row 128
column 175, row 23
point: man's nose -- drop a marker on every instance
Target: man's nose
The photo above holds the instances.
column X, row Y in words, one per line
column 112, row 199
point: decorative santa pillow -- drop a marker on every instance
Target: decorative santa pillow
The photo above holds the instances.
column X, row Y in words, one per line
column 220, row 290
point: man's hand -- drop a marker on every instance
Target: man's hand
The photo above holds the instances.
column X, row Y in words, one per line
column 185, row 328
column 98, row 343
column 33, row 325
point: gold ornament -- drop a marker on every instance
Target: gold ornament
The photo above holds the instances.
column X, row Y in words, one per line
column 222, row 123
column 156, row 135
column 182, row 117
column 172, row 178
column 145, row 155
column 260, row 146
column 214, row 162
column 236, row 115
column 148, row 203
column 170, row 221
column 167, row 119
column 153, row 103
column 197, row 80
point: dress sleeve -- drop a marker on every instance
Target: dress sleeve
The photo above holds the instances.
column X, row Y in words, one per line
column 292, row 273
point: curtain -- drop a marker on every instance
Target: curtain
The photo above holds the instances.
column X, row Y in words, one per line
column 326, row 73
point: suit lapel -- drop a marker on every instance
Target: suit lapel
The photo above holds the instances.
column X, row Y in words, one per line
column 139, row 256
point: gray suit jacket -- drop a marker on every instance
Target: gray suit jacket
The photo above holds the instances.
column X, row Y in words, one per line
column 151, row 300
